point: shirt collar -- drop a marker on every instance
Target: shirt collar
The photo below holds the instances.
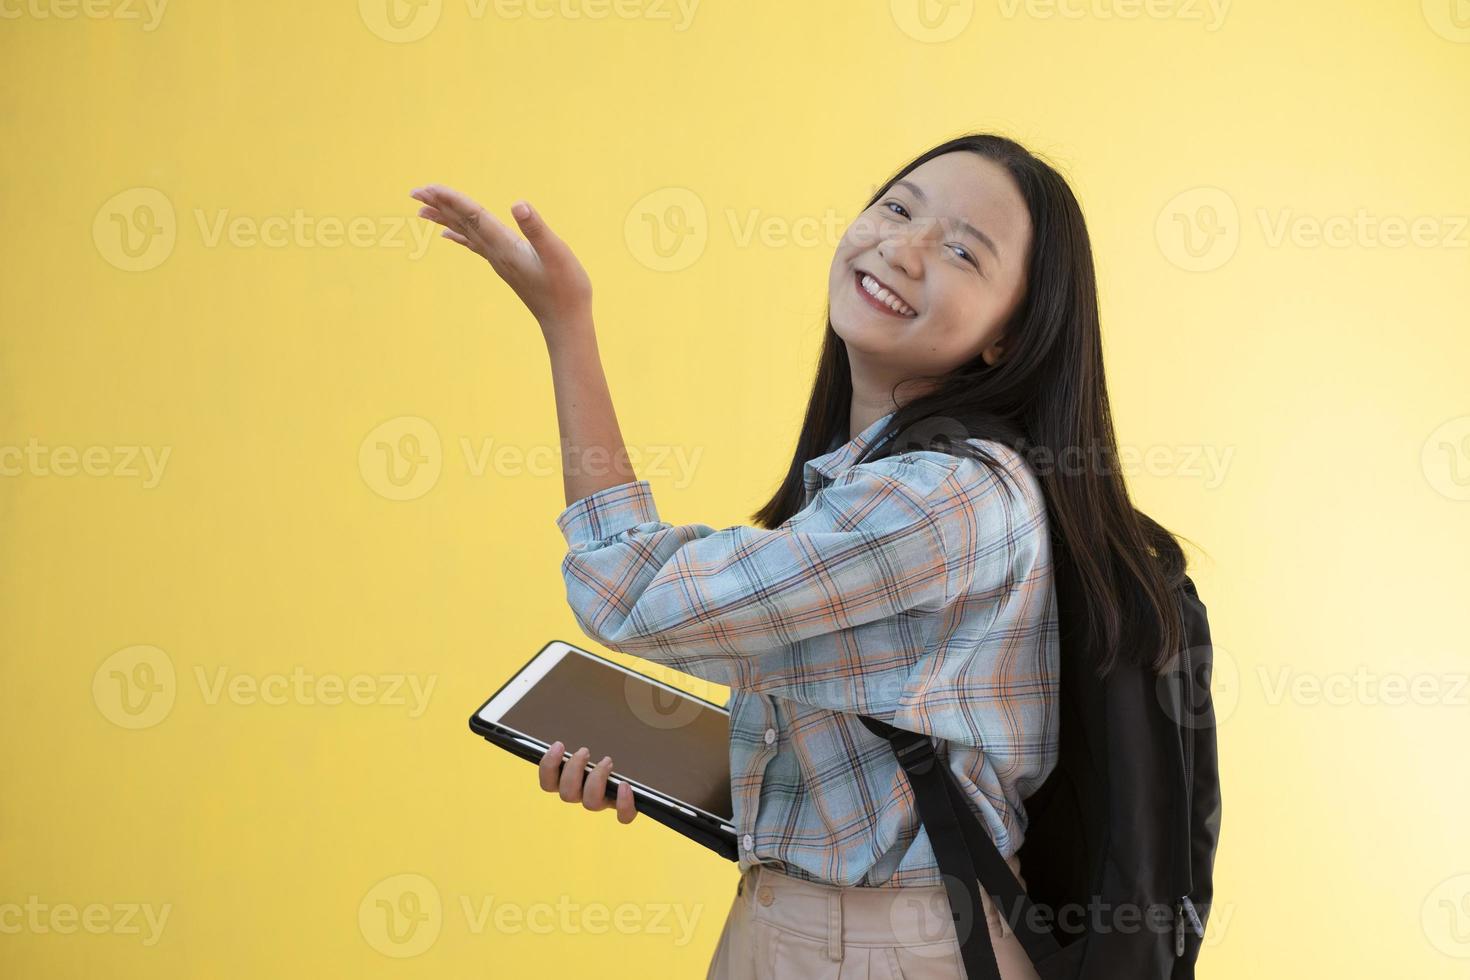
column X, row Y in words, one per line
column 827, row 466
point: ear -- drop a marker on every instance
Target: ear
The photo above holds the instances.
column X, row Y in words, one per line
column 993, row 353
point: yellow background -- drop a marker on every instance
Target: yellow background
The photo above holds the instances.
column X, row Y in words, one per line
column 262, row 358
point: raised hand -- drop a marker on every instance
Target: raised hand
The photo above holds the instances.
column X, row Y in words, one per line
column 540, row 267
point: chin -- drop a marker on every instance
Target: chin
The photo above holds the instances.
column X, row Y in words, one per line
column 866, row 337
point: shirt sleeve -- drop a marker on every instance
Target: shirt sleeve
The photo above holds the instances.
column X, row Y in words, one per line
column 866, row 547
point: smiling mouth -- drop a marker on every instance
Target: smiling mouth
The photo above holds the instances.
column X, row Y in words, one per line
column 880, row 297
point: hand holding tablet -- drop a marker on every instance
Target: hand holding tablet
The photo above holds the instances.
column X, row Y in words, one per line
column 672, row 749
column 555, row 778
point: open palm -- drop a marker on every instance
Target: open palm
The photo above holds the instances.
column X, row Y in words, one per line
column 540, row 268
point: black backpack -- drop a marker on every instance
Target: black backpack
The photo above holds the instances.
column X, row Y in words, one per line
column 1119, row 852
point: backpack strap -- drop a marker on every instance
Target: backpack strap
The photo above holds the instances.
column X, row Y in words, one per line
column 965, row 852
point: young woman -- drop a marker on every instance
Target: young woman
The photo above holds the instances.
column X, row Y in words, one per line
column 953, row 471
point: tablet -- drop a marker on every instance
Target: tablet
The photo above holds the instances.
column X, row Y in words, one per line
column 671, row 747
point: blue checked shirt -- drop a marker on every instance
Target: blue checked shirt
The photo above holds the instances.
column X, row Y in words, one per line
column 913, row 589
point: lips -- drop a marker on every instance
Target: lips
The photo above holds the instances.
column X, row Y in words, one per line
column 906, row 313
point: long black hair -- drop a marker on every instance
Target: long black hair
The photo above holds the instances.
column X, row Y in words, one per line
column 1047, row 399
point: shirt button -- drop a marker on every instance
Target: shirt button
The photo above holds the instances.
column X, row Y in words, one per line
column 764, row 895
column 748, row 842
column 770, row 735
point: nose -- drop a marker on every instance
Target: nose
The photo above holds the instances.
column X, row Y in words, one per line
column 902, row 253
column 904, row 249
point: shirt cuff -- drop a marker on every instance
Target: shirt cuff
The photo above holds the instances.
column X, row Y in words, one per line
column 607, row 512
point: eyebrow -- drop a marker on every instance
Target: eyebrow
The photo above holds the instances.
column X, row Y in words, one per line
column 983, row 238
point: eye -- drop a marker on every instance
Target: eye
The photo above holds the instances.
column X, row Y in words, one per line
column 965, row 254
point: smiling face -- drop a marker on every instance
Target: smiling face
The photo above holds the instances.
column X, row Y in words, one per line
column 925, row 279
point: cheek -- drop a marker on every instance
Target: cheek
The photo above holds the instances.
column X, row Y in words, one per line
column 962, row 321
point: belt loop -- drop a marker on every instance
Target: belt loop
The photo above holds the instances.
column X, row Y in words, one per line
column 834, row 925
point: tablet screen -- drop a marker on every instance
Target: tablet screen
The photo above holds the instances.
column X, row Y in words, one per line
column 671, row 742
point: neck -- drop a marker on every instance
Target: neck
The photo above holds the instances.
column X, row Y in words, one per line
column 874, row 396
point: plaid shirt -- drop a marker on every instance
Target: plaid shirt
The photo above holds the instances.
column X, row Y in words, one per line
column 913, row 589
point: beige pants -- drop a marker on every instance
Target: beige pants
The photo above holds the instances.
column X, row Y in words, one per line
column 785, row 928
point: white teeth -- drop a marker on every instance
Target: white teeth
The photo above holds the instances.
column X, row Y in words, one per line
column 871, row 287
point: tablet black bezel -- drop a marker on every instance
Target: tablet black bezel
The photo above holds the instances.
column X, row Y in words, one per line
column 707, row 831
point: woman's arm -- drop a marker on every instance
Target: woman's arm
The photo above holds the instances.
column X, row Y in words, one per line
column 592, row 451
column 713, row 602
column 545, row 274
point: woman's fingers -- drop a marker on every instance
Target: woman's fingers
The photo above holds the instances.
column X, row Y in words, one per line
column 456, row 237
column 468, row 218
column 438, row 217
column 537, row 232
column 572, row 775
column 567, row 780
column 550, row 767
column 594, row 791
column 626, row 810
